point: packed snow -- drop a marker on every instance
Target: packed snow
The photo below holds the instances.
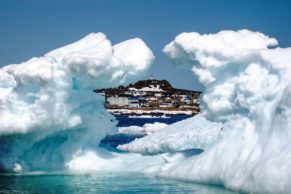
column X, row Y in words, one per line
column 111, row 162
column 148, row 128
column 193, row 133
column 152, row 88
column 49, row 111
column 248, row 89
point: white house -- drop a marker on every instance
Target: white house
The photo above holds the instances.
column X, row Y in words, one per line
column 166, row 105
column 196, row 101
column 151, row 98
column 134, row 105
column 128, row 92
column 158, row 95
column 118, row 101
column 139, row 93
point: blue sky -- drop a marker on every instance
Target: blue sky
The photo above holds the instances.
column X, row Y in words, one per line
column 31, row 28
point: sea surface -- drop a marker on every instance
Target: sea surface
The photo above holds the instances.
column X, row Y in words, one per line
column 124, row 120
column 99, row 184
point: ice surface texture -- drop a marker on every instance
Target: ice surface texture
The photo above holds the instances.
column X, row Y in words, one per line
column 195, row 132
column 148, row 128
column 48, row 111
column 248, row 89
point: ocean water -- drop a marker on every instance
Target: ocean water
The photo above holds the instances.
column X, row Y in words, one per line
column 40, row 183
column 124, row 121
column 103, row 183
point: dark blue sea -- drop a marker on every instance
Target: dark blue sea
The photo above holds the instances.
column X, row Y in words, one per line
column 125, row 120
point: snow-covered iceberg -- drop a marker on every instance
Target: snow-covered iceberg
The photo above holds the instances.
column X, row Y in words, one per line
column 193, row 133
column 247, row 83
column 147, row 128
column 49, row 114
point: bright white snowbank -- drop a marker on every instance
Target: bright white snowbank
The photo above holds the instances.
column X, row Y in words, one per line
column 92, row 162
column 48, row 110
column 147, row 128
column 195, row 132
column 152, row 88
column 248, row 88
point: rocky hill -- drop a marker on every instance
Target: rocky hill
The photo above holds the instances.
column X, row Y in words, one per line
column 150, row 96
column 147, row 85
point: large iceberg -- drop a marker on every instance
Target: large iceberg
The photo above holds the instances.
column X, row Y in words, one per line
column 247, row 83
column 49, row 113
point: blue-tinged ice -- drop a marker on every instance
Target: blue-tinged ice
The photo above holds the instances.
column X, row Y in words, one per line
column 49, row 113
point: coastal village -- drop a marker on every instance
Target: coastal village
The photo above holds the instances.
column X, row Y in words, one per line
column 150, row 96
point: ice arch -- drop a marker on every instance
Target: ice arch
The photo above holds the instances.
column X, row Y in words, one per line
column 48, row 112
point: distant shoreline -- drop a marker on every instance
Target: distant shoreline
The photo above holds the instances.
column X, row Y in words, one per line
column 151, row 112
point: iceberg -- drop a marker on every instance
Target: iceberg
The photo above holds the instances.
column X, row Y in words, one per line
column 147, row 128
column 248, row 89
column 192, row 133
column 49, row 113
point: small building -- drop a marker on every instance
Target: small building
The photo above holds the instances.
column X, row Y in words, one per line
column 185, row 98
column 195, row 101
column 144, row 104
column 139, row 93
column 117, row 101
column 133, row 99
column 151, row 98
column 134, row 105
column 166, row 105
column 128, row 93
column 168, row 99
column 158, row 95
column 154, row 104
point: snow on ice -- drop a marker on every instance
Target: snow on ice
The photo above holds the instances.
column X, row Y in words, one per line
column 248, row 89
column 49, row 113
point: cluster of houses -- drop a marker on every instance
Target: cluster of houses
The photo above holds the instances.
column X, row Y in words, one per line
column 150, row 94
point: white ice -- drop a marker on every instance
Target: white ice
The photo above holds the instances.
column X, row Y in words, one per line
column 195, row 132
column 48, row 110
column 147, row 128
column 248, row 89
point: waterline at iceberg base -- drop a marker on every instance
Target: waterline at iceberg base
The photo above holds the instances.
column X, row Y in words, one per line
column 123, row 183
column 51, row 120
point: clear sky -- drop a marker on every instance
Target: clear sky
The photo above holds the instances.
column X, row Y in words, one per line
column 31, row 28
